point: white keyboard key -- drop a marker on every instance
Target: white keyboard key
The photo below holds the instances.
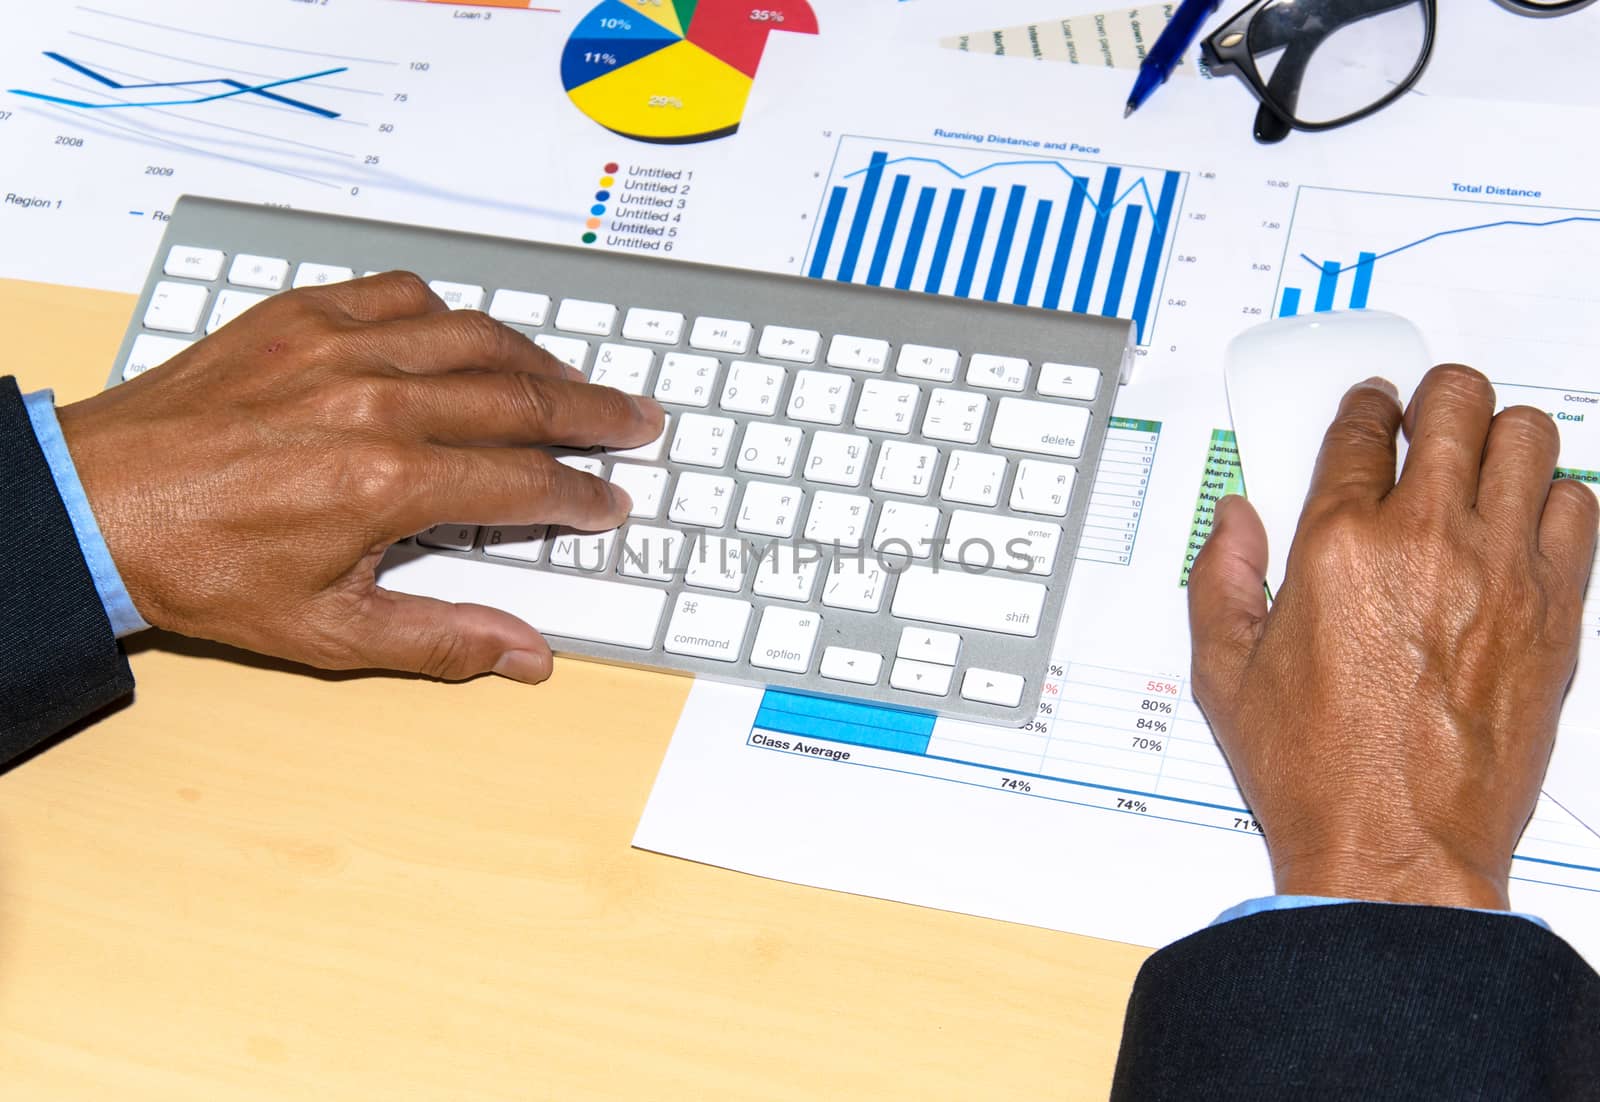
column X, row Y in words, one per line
column 449, row 537
column 837, row 458
column 786, row 639
column 589, row 552
column 984, row 540
column 623, row 366
column 596, row 319
column 192, row 263
column 1042, row 427
column 148, row 352
column 524, row 543
column 651, row 452
column 1044, row 488
column 905, row 468
column 906, row 529
column 717, row 562
column 1081, row 384
column 702, row 441
column 920, row 677
column 855, row 582
column 799, row 346
column 987, row 602
column 266, row 273
column 939, row 647
column 701, row 500
column 229, row 305
column 585, row 463
column 770, row 509
column 519, row 307
column 859, row 667
column 176, row 307
column 787, row 572
column 320, row 275
column 858, row 353
column 992, row 687
column 769, row 449
column 708, row 627
column 753, row 388
column 573, row 606
column 569, row 350
column 651, row 553
column 919, row 361
column 886, row 406
column 956, row 416
column 997, row 372
column 838, row 518
column 687, row 380
column 720, row 335
column 653, row 326
column 819, row 397
column 457, row 296
column 973, row 478
column 647, row 486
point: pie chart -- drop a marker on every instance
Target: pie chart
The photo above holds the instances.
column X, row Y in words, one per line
column 673, row 71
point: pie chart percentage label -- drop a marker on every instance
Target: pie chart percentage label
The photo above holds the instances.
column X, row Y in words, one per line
column 673, row 71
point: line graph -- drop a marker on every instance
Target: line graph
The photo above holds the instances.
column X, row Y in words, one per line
column 1488, row 274
column 1035, row 231
column 237, row 88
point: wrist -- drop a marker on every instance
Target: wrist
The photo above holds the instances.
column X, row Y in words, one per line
column 1390, row 873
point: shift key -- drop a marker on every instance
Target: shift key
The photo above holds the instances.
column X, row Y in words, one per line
column 953, row 597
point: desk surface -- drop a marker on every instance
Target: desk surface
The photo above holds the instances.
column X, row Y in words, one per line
column 258, row 882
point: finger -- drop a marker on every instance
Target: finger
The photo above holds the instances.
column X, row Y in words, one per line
column 1567, row 532
column 1519, row 460
column 1358, row 450
column 516, row 486
column 382, row 297
column 1227, row 593
column 464, row 340
column 1447, row 423
column 453, row 642
column 516, row 408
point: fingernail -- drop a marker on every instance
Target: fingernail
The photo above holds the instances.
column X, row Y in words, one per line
column 623, row 499
column 649, row 408
column 573, row 374
column 524, row 666
column 1384, row 385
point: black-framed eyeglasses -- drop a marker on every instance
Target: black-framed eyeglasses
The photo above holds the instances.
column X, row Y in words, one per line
column 1320, row 64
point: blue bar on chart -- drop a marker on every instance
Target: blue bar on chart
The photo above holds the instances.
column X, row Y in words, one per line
column 1291, row 303
column 1363, row 287
column 1327, row 286
column 1031, row 231
column 844, row 721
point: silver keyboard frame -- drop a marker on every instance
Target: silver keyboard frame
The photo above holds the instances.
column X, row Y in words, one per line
column 762, row 299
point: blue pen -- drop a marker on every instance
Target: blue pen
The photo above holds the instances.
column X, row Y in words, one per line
column 1170, row 46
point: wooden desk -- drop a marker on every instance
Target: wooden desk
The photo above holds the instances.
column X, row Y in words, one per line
column 258, row 882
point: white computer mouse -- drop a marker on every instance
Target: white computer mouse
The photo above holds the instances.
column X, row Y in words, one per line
column 1285, row 380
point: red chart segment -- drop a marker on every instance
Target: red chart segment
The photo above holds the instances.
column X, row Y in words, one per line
column 737, row 33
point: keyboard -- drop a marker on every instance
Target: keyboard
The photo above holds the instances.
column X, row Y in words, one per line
column 860, row 493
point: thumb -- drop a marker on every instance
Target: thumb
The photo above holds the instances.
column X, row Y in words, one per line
column 1227, row 592
column 449, row 641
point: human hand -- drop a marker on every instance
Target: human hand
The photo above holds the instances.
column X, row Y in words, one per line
column 1391, row 718
column 249, row 487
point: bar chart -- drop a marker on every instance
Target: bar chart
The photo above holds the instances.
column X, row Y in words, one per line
column 1031, row 231
column 1353, row 250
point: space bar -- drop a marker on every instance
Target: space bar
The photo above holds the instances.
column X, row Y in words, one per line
column 572, row 605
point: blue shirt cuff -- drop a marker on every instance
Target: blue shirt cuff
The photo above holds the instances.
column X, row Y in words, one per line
column 125, row 619
column 1291, row 902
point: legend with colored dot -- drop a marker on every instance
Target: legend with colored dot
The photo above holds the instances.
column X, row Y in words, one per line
column 602, row 197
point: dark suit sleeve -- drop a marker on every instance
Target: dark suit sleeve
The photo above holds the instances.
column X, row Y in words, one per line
column 59, row 660
column 1364, row 1000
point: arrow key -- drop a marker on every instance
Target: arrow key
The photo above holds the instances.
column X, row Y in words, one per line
column 991, row 687
column 861, row 667
column 920, row 677
column 922, row 645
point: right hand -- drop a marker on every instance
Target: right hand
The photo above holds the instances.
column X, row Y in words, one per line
column 248, row 488
column 1391, row 718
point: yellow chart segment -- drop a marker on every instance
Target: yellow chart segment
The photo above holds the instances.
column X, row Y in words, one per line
column 659, row 11
column 678, row 93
